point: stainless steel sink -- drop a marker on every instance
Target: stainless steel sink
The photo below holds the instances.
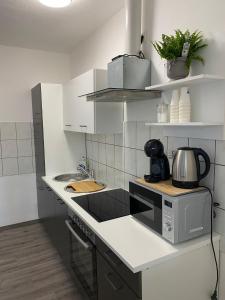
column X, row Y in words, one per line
column 71, row 177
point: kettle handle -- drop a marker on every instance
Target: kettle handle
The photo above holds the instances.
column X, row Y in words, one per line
column 200, row 152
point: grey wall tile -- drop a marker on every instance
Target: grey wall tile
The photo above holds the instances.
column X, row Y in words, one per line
column 102, row 153
column 209, row 146
column 23, row 130
column 10, row 166
column 130, row 134
column 209, row 179
column 1, row 168
column 143, row 135
column 8, row 131
column 24, row 147
column 127, row 179
column 102, row 172
column 101, row 138
column 220, row 152
column 157, row 133
column 130, row 161
column 95, row 167
column 89, row 137
column 110, row 155
column 219, row 226
column 9, row 148
column 89, row 149
column 25, row 165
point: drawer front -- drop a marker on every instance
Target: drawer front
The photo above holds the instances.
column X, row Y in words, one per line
column 110, row 284
column 133, row 280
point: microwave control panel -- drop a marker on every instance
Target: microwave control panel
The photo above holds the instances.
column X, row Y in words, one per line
column 168, row 220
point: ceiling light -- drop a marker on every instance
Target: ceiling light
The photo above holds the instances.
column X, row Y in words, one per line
column 56, row 3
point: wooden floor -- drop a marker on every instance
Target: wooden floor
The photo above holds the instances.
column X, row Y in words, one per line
column 30, row 267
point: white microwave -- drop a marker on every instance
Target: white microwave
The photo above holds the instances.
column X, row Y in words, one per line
column 176, row 219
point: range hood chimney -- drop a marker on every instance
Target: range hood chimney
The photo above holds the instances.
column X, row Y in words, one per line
column 133, row 11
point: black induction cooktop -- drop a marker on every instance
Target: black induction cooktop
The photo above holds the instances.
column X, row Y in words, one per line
column 107, row 205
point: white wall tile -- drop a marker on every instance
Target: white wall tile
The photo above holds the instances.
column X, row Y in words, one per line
column 220, row 152
column 0, row 167
column 119, row 158
column 174, row 143
column 101, row 138
column 8, row 131
column 94, row 138
column 110, row 155
column 9, row 148
column 119, row 139
column 34, row 163
column 130, row 161
column 89, row 149
column 110, row 176
column 25, row 165
column 157, row 133
column 95, row 151
column 102, row 173
column 119, row 179
column 220, row 185
column 89, row 137
column 143, row 135
column 130, row 134
column 23, row 130
column 209, row 146
column 127, row 179
column 10, row 166
column 209, row 179
column 102, row 153
column 219, row 226
column 143, row 164
column 24, row 147
column 110, row 139
column 95, row 168
column 222, row 277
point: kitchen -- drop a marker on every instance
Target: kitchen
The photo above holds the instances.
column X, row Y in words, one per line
column 31, row 55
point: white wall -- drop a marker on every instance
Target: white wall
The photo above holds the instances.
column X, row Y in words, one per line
column 98, row 50
column 21, row 69
column 208, row 101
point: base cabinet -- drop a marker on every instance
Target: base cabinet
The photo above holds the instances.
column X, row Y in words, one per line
column 110, row 285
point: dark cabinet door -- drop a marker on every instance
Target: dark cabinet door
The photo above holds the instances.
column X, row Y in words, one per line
column 110, row 284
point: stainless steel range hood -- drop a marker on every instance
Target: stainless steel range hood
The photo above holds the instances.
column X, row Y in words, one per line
column 128, row 74
column 122, row 95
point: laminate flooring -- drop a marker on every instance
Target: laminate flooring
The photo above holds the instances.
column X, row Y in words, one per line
column 30, row 267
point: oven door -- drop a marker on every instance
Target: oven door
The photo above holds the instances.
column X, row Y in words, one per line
column 146, row 206
column 83, row 259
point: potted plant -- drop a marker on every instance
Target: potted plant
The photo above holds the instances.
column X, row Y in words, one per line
column 180, row 50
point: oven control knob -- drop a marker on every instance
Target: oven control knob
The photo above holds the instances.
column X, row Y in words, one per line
column 168, row 227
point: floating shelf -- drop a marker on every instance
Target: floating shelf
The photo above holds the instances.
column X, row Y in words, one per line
column 188, row 81
column 190, row 124
column 122, row 95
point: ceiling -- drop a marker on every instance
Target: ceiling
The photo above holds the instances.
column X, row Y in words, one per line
column 29, row 24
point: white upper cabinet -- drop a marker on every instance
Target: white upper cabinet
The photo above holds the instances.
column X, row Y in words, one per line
column 81, row 115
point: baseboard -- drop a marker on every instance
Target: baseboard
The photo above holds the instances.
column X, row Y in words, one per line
column 17, row 225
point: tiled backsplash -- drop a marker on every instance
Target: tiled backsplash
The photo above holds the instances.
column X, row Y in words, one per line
column 118, row 158
column 16, row 149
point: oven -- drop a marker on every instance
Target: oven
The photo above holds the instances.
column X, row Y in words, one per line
column 83, row 259
column 146, row 206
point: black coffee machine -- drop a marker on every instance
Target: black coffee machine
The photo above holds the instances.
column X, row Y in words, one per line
column 159, row 163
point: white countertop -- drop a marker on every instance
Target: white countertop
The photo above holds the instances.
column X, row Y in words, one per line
column 135, row 244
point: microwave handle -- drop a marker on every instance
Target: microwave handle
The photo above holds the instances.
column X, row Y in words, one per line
column 79, row 239
column 135, row 196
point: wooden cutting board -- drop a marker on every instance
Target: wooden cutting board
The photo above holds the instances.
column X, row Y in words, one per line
column 167, row 188
column 86, row 186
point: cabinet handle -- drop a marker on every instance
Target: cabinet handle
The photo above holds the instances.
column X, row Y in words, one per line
column 49, row 189
column 112, row 258
column 68, row 125
column 60, row 201
column 83, row 126
column 113, row 281
column 87, row 246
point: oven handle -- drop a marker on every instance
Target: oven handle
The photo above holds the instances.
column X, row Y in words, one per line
column 84, row 244
column 135, row 196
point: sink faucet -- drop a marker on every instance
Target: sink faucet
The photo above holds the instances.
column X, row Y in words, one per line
column 82, row 169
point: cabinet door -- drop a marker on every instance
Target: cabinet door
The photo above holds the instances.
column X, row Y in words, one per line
column 86, row 119
column 86, row 83
column 70, row 109
column 110, row 285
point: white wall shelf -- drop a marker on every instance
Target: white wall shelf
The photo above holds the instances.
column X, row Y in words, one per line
column 190, row 124
column 188, row 81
